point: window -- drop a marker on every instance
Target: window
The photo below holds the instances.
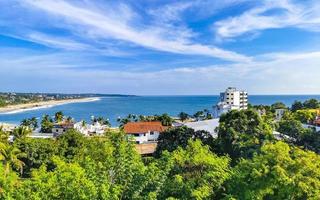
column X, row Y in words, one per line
column 151, row 133
column 136, row 134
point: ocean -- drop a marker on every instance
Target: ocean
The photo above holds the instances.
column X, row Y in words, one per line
column 114, row 107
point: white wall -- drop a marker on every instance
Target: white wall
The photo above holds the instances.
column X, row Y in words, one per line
column 145, row 137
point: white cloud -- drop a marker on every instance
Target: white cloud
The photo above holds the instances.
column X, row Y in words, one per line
column 278, row 73
column 114, row 25
column 271, row 14
column 57, row 42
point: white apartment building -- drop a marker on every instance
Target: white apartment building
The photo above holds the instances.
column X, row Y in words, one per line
column 231, row 99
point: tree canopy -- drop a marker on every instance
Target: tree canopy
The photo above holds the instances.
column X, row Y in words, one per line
column 241, row 133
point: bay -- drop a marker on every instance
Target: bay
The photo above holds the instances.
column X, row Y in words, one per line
column 114, row 107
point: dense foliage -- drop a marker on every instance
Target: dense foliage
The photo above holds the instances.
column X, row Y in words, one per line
column 242, row 133
column 173, row 138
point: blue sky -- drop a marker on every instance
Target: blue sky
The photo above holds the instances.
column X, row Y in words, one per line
column 158, row 47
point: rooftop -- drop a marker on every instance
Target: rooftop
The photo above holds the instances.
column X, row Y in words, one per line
column 143, row 127
column 206, row 125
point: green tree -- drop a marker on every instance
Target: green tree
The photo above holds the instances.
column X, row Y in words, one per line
column 102, row 121
column 46, row 124
column 200, row 115
column 278, row 105
column 10, row 158
column 297, row 105
column 4, row 136
column 291, row 127
column 305, row 116
column 129, row 118
column 8, row 183
column 70, row 144
column 32, row 123
column 165, row 119
column 2, row 102
column 21, row 131
column 58, row 116
column 173, row 138
column 37, row 152
column 183, row 116
column 241, row 133
column 307, row 138
column 66, row 181
column 208, row 115
column 196, row 173
column 311, row 104
column 277, row 172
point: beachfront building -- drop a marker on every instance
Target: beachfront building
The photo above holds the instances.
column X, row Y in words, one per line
column 7, row 127
column 61, row 128
column 144, row 132
column 231, row 99
column 95, row 128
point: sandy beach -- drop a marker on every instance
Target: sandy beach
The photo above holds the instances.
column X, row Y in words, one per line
column 45, row 104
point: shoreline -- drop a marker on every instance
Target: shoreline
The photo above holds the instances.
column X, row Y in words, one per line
column 12, row 109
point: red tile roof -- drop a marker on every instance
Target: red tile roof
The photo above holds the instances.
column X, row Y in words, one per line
column 143, row 127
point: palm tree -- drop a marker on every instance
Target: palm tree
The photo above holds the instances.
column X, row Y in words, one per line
column 199, row 115
column 123, row 122
column 183, row 116
column 25, row 122
column 165, row 119
column 9, row 156
column 58, row 116
column 21, row 131
column 34, row 122
column 46, row 124
column 107, row 122
column 4, row 136
column 142, row 118
column 69, row 119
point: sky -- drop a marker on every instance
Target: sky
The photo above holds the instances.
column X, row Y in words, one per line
column 160, row 47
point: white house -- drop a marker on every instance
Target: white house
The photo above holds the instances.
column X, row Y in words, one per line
column 231, row 99
column 90, row 129
column 61, row 128
column 144, row 132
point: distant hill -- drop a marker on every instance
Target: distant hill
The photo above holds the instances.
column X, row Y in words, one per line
column 12, row 98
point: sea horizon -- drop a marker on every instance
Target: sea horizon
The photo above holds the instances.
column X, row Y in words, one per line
column 121, row 106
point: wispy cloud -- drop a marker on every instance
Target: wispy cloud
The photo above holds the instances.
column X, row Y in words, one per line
column 269, row 74
column 102, row 25
column 57, row 42
column 271, row 14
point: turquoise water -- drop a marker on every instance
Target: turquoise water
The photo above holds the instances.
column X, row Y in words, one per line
column 113, row 107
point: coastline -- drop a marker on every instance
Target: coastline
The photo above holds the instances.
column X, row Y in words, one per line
column 44, row 104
